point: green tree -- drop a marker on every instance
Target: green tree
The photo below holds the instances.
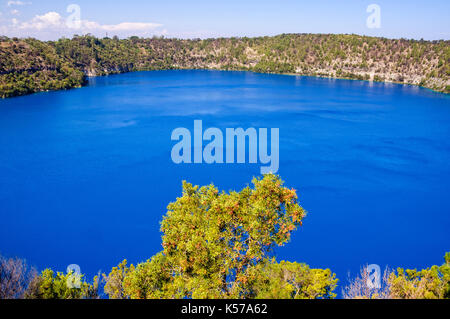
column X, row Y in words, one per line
column 430, row 283
column 287, row 280
column 114, row 286
column 150, row 280
column 212, row 238
column 215, row 243
column 51, row 285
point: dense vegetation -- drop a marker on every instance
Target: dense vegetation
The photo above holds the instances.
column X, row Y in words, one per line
column 29, row 65
column 220, row 245
column 430, row 283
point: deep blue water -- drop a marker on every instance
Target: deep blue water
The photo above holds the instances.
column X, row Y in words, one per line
column 86, row 174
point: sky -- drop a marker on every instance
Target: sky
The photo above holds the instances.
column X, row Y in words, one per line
column 52, row 19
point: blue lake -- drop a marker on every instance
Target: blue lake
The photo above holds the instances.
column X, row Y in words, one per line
column 86, row 174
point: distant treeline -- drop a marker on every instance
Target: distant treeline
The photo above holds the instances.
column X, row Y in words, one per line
column 30, row 65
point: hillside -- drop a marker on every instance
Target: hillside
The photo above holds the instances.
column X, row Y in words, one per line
column 29, row 65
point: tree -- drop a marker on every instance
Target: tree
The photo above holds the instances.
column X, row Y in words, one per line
column 287, row 280
column 51, row 285
column 430, row 283
column 212, row 238
column 215, row 244
column 114, row 286
column 15, row 276
column 150, row 280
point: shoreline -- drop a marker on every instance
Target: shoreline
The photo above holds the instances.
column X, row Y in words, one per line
column 222, row 70
column 67, row 63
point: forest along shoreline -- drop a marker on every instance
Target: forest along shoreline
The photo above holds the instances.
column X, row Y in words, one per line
column 29, row 65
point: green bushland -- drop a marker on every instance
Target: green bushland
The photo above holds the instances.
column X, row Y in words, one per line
column 29, row 65
column 220, row 245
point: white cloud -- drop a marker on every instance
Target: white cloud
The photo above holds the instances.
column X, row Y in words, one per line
column 52, row 25
column 15, row 12
column 18, row 3
column 48, row 20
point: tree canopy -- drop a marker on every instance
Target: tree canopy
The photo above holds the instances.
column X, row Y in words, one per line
column 29, row 65
column 220, row 245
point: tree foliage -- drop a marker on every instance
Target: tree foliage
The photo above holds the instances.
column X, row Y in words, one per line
column 213, row 237
column 219, row 245
column 290, row 280
column 429, row 283
column 51, row 285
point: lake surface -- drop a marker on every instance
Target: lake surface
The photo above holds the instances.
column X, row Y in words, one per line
column 86, row 174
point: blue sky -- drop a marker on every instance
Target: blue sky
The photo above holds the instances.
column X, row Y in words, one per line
column 47, row 19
